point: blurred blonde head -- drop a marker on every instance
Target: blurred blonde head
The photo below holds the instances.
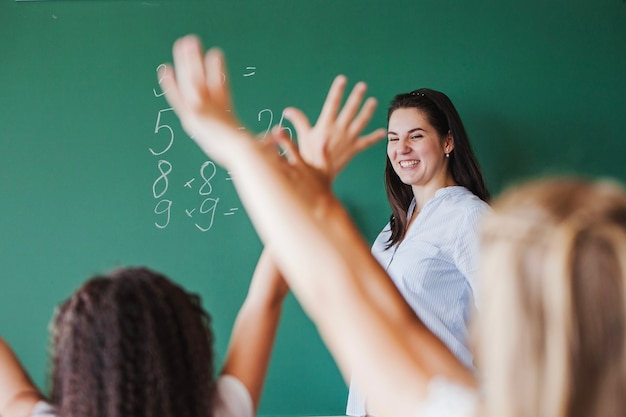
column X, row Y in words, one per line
column 551, row 334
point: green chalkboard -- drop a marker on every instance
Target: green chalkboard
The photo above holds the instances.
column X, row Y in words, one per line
column 96, row 172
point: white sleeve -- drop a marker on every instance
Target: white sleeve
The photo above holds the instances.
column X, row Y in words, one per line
column 447, row 399
column 466, row 250
column 356, row 401
column 43, row 409
column 232, row 398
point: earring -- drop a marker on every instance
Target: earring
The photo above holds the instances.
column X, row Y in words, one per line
column 447, row 155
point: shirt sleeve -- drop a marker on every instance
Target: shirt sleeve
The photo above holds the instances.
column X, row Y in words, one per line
column 232, row 398
column 447, row 399
column 466, row 248
column 43, row 409
column 356, row 401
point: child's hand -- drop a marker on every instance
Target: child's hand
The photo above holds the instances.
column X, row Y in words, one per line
column 334, row 140
column 199, row 94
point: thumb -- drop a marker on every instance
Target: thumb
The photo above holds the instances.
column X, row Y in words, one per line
column 299, row 121
column 289, row 148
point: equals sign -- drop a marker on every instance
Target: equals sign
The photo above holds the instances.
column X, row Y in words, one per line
column 251, row 73
column 231, row 211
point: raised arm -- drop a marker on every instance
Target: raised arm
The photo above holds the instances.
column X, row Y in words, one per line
column 255, row 328
column 336, row 137
column 317, row 247
column 18, row 394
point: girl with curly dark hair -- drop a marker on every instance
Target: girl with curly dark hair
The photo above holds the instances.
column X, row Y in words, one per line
column 132, row 343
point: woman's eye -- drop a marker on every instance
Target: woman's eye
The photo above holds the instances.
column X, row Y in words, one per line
column 415, row 137
column 392, row 139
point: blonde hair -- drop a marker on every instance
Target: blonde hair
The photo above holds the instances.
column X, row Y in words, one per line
column 551, row 334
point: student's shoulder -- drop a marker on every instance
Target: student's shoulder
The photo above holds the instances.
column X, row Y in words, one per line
column 43, row 409
column 448, row 399
column 232, row 398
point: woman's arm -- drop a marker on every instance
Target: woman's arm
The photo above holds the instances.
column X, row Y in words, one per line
column 255, row 328
column 362, row 318
column 18, row 394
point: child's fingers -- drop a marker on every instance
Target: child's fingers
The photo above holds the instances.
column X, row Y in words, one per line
column 167, row 79
column 216, row 78
column 299, row 121
column 352, row 104
column 363, row 118
column 189, row 65
column 289, row 148
column 368, row 140
column 333, row 100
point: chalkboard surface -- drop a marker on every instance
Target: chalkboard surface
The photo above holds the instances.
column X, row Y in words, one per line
column 97, row 173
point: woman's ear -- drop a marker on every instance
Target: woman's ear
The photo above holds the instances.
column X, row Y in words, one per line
column 448, row 143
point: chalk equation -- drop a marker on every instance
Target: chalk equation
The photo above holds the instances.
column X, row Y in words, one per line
column 209, row 204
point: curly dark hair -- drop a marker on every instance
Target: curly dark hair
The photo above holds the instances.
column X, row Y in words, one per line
column 132, row 344
column 464, row 167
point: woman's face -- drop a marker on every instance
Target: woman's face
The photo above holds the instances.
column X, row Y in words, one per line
column 416, row 151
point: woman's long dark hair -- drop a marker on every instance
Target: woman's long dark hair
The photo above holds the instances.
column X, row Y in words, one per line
column 463, row 164
column 132, row 344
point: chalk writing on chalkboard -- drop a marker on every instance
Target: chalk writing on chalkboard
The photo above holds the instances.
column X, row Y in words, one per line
column 268, row 114
column 202, row 216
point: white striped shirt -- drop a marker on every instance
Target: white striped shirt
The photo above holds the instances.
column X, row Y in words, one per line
column 434, row 268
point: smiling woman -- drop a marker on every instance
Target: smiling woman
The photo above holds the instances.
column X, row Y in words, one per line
column 414, row 150
column 438, row 195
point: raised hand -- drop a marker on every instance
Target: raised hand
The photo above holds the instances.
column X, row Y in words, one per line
column 200, row 96
column 334, row 140
column 197, row 91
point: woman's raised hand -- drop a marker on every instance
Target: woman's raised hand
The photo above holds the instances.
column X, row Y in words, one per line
column 334, row 140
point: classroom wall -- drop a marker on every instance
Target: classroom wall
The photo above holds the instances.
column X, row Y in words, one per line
column 93, row 178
